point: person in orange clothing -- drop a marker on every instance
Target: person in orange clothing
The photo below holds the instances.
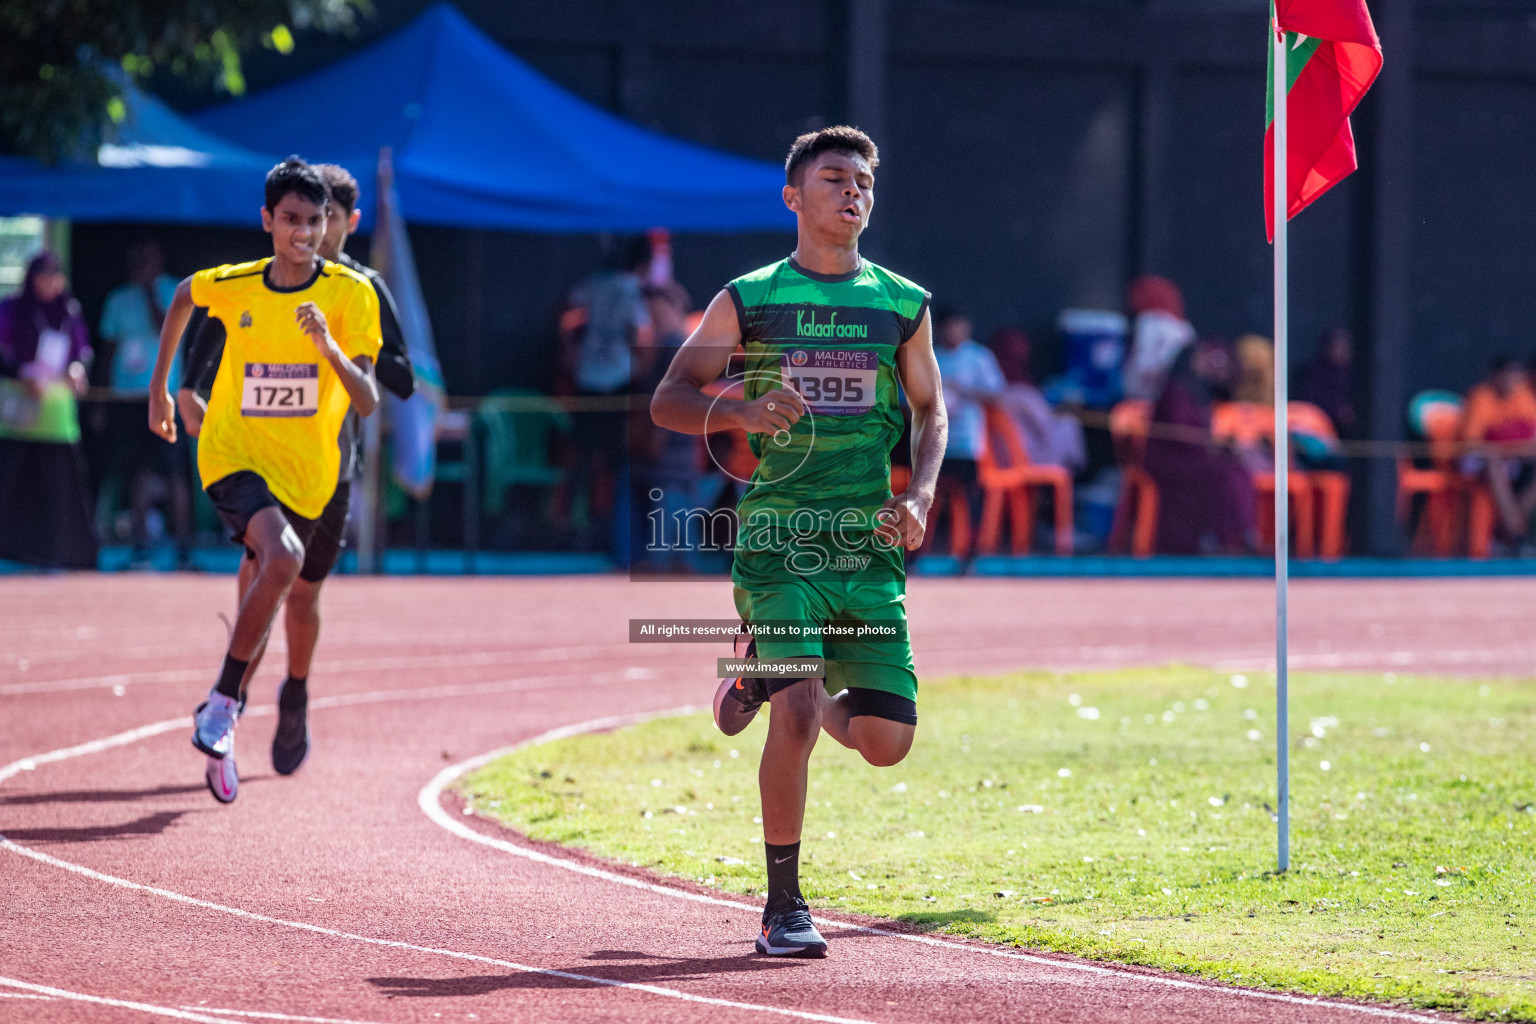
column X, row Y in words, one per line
column 1501, row 413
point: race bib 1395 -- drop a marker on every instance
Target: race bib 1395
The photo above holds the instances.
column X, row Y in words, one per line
column 833, row 382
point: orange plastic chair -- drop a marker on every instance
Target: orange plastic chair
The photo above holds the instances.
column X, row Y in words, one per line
column 1009, row 479
column 1248, row 424
column 1135, row 523
column 1481, row 517
column 1438, row 418
column 1330, row 488
column 959, row 512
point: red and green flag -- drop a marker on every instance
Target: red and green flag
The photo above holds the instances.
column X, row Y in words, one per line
column 1332, row 57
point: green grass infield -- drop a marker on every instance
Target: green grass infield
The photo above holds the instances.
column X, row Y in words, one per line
column 1125, row 817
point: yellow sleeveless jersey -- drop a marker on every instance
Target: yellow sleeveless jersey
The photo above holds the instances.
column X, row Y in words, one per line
column 277, row 405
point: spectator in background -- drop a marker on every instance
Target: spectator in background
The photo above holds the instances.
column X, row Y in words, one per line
column 1206, row 498
column 972, row 380
column 665, row 461
column 1328, row 379
column 44, row 349
column 1501, row 413
column 1159, row 333
column 607, row 319
column 1050, row 437
column 1255, row 370
column 131, row 321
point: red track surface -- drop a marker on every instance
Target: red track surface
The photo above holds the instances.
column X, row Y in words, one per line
column 332, row 895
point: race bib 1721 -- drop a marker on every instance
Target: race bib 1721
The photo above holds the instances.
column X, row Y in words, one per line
column 280, row 389
column 833, row 382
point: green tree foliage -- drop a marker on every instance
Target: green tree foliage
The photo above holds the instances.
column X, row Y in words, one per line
column 59, row 88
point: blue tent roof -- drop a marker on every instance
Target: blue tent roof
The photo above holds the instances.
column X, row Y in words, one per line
column 481, row 139
column 155, row 166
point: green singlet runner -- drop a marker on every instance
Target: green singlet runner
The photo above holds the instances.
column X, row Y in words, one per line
column 806, row 553
column 831, row 341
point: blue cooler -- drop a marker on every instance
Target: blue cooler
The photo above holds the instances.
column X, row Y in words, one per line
column 1095, row 342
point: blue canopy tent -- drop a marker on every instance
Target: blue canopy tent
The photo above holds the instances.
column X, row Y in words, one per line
column 154, row 166
column 481, row 139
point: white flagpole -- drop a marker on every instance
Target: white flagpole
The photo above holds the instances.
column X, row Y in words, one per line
column 1282, row 458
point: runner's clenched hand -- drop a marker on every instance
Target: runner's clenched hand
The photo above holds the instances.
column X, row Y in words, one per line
column 776, row 410
column 162, row 415
column 902, row 521
column 312, row 322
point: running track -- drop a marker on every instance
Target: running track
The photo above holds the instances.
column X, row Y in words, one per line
column 352, row 892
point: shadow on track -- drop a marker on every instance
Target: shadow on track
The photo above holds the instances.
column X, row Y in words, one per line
column 149, row 825
column 103, row 796
column 658, row 969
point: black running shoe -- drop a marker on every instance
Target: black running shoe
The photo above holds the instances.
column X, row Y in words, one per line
column 290, row 745
column 737, row 699
column 789, row 931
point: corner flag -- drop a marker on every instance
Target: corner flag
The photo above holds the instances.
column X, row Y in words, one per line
column 1323, row 56
column 1332, row 57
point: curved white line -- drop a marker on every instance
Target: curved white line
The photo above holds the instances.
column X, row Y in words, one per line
column 275, row 1016
column 428, row 799
column 246, row 915
column 27, row 764
column 430, row 802
column 49, row 992
column 339, row 667
column 341, row 700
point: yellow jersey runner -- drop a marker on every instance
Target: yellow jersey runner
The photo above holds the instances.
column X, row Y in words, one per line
column 276, row 405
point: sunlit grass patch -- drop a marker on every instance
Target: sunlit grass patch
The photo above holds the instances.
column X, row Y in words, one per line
column 1123, row 816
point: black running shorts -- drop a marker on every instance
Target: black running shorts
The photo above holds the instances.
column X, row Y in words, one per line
column 241, row 495
column 322, row 551
column 862, row 700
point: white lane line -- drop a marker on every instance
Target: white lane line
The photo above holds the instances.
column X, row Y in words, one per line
column 276, row 1016
column 338, row 667
column 23, row 995
column 433, row 809
column 27, row 764
column 430, row 802
column 47, row 991
column 246, row 915
column 1427, row 660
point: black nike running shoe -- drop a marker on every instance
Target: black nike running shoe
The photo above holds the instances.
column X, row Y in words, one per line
column 738, row 698
column 789, row 931
column 290, row 744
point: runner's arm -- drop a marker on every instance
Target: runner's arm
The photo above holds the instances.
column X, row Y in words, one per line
column 356, row 373
column 203, row 346
column 930, row 432
column 162, row 410
column 394, row 368
column 680, row 403
column 202, row 350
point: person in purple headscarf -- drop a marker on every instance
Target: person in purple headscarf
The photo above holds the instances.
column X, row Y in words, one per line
column 44, row 349
column 43, row 336
column 1328, row 383
column 1206, row 498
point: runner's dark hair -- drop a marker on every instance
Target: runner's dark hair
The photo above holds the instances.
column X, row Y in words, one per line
column 342, row 186
column 838, row 138
column 296, row 176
